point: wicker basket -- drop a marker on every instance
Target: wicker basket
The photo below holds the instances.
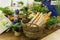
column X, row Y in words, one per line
column 32, row 32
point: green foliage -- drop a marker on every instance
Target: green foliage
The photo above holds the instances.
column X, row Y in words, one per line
column 20, row 3
column 58, row 20
column 38, row 0
column 39, row 8
column 9, row 28
column 44, row 9
column 51, row 21
column 31, row 15
column 7, row 11
column 25, row 10
column 17, row 27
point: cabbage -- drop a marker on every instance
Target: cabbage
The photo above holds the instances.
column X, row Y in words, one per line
column 4, row 21
column 1, row 25
column 1, row 14
column 31, row 15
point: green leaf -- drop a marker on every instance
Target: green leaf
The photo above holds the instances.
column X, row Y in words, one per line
column 7, row 11
column 17, row 26
column 20, row 2
column 51, row 21
column 39, row 8
column 38, row 0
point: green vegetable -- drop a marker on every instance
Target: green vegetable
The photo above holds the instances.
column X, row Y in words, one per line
column 51, row 21
column 39, row 8
column 25, row 10
column 31, row 16
column 4, row 21
column 44, row 9
column 17, row 27
column 38, row 0
column 1, row 14
column 9, row 28
column 1, row 25
column 7, row 11
column 20, row 3
column 58, row 20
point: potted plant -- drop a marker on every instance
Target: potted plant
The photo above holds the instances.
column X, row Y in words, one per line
column 17, row 29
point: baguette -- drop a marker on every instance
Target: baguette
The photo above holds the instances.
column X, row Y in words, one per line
column 39, row 21
column 42, row 23
column 45, row 19
column 34, row 18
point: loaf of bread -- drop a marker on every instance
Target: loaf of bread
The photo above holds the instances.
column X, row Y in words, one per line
column 34, row 18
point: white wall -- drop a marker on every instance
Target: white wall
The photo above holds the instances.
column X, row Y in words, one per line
column 4, row 3
column 25, row 1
